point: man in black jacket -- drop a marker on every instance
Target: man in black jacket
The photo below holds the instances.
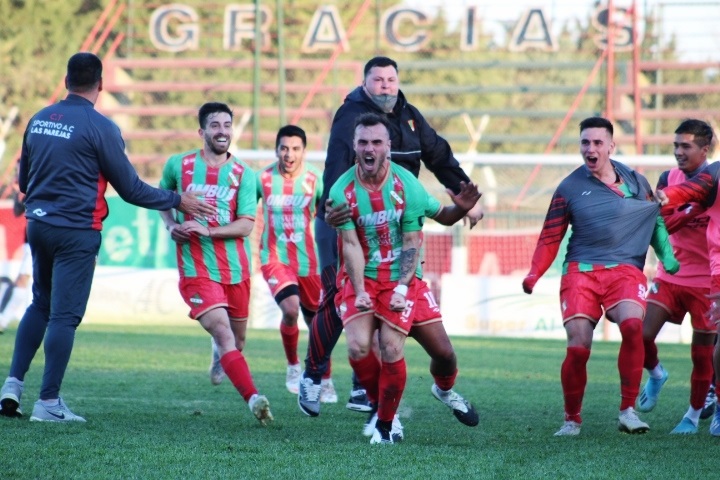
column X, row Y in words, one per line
column 413, row 141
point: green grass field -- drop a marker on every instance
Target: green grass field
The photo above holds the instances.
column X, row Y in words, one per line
column 152, row 413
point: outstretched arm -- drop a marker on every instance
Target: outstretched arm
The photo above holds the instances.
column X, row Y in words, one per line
column 698, row 189
column 552, row 233
column 465, row 200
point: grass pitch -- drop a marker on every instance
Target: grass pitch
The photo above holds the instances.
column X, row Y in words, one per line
column 152, row 414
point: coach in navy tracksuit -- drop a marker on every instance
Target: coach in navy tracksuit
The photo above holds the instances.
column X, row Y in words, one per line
column 413, row 141
column 70, row 153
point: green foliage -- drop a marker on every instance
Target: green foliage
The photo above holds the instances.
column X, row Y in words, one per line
column 36, row 39
column 526, row 94
column 153, row 414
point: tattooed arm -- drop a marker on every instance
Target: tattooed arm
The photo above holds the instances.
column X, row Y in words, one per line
column 408, row 260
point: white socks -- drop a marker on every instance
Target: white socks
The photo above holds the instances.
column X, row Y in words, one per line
column 656, row 372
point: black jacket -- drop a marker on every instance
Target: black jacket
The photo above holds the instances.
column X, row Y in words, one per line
column 412, row 140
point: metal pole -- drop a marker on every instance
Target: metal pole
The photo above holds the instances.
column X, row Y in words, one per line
column 610, row 107
column 659, row 80
column 281, row 63
column 256, row 80
column 636, row 82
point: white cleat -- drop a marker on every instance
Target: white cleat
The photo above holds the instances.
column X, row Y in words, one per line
column 569, row 429
column 292, row 378
column 628, row 422
column 327, row 391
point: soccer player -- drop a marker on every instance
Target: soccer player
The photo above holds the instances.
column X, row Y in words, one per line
column 290, row 190
column 427, row 328
column 703, row 189
column 213, row 254
column 414, row 142
column 380, row 251
column 70, row 152
column 671, row 297
column 614, row 219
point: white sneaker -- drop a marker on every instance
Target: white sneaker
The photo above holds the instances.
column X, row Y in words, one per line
column 309, row 396
column 217, row 374
column 260, row 407
column 569, row 429
column 55, row 413
column 292, row 378
column 10, row 398
column 628, row 422
column 327, row 391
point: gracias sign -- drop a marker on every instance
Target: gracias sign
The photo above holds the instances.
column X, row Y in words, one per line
column 176, row 28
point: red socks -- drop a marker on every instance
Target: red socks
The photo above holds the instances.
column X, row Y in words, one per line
column 573, row 376
column 630, row 361
column 237, row 370
column 290, row 337
column 702, row 374
column 392, row 385
column 446, row 382
column 367, row 371
column 651, row 354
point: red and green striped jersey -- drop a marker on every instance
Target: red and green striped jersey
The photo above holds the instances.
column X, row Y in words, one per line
column 381, row 216
column 289, row 209
column 231, row 189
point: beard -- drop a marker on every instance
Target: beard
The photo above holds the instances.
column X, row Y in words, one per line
column 386, row 102
column 216, row 149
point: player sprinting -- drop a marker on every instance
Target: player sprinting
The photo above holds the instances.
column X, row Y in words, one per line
column 290, row 190
column 427, row 327
column 213, row 254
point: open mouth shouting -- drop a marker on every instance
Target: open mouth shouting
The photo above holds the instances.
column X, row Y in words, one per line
column 591, row 160
column 369, row 161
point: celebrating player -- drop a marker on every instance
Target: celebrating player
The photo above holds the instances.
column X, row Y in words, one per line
column 290, row 190
column 213, row 254
column 613, row 222
column 671, row 297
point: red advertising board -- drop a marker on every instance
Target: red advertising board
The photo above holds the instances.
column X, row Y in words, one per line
column 12, row 232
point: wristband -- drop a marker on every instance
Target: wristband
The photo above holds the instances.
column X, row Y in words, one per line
column 401, row 289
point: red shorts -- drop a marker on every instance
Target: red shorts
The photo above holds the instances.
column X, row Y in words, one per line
column 586, row 294
column 678, row 300
column 714, row 284
column 424, row 309
column 380, row 294
column 203, row 295
column 278, row 276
